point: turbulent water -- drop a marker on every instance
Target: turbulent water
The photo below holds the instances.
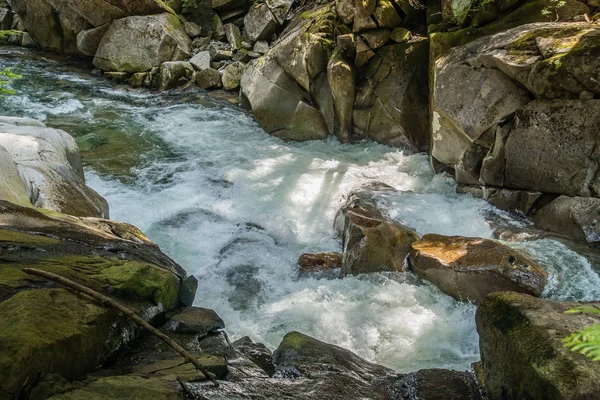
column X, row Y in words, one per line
column 236, row 207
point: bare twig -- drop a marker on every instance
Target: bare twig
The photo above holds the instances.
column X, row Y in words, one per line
column 76, row 287
column 186, row 389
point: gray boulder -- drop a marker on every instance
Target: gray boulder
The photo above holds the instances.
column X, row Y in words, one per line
column 576, row 218
column 173, row 74
column 259, row 23
column 89, row 40
column 11, row 186
column 137, row 44
column 50, row 168
column 54, row 25
column 208, row 79
column 201, row 60
column 232, row 75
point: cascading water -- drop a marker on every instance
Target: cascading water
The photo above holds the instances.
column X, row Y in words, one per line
column 236, row 208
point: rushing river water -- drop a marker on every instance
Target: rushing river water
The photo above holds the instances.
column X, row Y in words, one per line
column 236, row 207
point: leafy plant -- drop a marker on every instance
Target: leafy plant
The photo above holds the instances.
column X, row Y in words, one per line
column 587, row 340
column 553, row 8
column 165, row 6
column 6, row 77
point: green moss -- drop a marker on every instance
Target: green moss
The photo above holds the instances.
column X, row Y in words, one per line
column 22, row 238
column 50, row 330
column 295, row 341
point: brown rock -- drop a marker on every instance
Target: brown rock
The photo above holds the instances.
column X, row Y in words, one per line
column 470, row 268
column 315, row 262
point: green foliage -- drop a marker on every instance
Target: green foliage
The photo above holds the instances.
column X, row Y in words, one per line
column 165, row 6
column 587, row 340
column 6, row 77
column 553, row 8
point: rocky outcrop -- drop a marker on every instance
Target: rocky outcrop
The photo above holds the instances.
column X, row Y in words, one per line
column 370, row 241
column 45, row 164
column 470, row 268
column 529, row 102
column 139, row 43
column 55, row 25
column 522, row 354
column 51, row 333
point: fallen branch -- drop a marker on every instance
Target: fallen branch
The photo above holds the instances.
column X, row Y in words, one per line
column 76, row 287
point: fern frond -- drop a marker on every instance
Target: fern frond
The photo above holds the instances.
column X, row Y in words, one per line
column 583, row 309
column 585, row 341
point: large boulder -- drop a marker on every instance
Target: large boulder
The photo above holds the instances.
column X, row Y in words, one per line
column 392, row 105
column 576, row 218
column 139, row 43
column 50, row 331
column 49, row 167
column 470, row 268
column 370, row 241
column 554, row 147
column 55, row 24
column 522, row 353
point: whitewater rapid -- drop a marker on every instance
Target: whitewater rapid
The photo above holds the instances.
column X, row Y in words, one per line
column 236, row 207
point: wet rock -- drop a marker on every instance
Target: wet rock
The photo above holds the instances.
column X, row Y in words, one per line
column 371, row 242
column 50, row 168
column 232, row 75
column 311, row 357
column 307, row 124
column 434, row 384
column 512, row 200
column 195, row 320
column 576, row 218
column 318, row 262
column 61, row 332
column 470, row 268
column 137, row 44
column 522, row 354
column 208, row 79
column 341, row 79
column 258, row 353
column 173, row 74
column 89, row 40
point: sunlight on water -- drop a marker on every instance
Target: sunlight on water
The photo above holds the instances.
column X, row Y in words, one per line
column 236, row 208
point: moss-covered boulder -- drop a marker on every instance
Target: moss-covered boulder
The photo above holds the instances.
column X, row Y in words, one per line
column 470, row 268
column 52, row 331
column 522, row 354
column 139, row 43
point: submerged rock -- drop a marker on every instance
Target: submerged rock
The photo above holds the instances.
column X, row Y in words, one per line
column 50, row 169
column 470, row 268
column 522, row 354
column 139, row 43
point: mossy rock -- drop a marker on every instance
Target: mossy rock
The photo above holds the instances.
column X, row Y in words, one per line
column 529, row 12
column 49, row 331
column 522, row 352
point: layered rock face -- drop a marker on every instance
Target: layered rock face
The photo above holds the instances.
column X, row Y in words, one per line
column 332, row 72
column 42, row 167
column 515, row 114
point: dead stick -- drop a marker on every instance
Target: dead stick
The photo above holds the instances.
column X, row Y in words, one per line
column 186, row 389
column 134, row 317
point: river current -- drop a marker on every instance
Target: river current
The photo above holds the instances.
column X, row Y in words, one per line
column 236, row 207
